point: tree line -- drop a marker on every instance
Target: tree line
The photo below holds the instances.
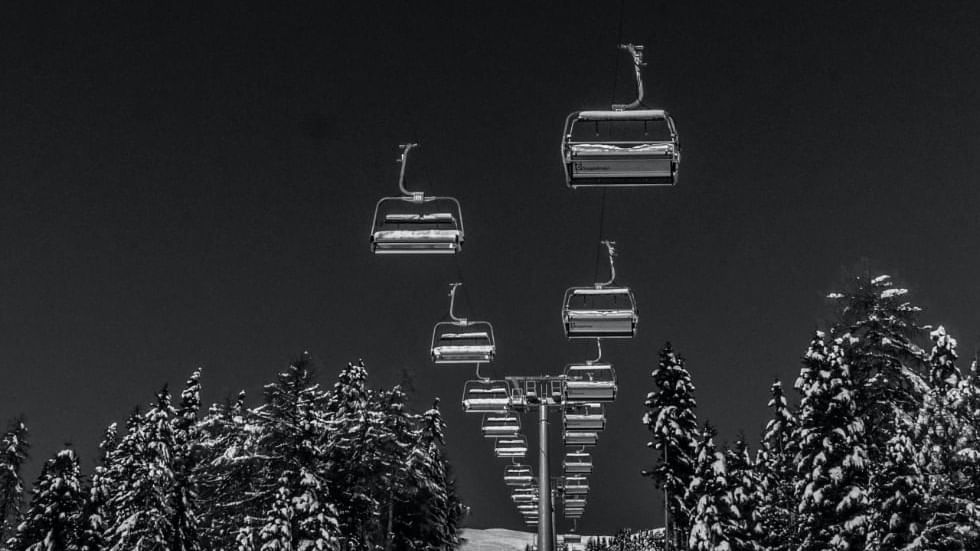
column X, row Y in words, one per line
column 347, row 468
column 881, row 452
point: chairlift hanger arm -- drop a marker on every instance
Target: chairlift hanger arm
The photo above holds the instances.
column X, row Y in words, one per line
column 452, row 304
column 611, row 250
column 636, row 52
column 403, row 159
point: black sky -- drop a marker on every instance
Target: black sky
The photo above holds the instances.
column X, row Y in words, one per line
column 193, row 185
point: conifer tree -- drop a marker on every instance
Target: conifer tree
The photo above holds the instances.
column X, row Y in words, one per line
column 227, row 473
column 141, row 481
column 714, row 518
column 352, row 448
column 276, row 534
column 13, row 454
column 430, row 510
column 746, row 493
column 95, row 513
column 291, row 481
column 831, row 486
column 670, row 417
column 950, row 518
column 54, row 519
column 186, row 530
column 776, row 470
column 878, row 331
column 967, row 405
column 897, row 493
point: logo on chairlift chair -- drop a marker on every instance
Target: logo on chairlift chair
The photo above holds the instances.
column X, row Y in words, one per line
column 591, row 167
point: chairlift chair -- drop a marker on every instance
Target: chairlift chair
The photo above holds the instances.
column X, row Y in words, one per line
column 577, row 463
column 583, row 416
column 415, row 223
column 501, row 425
column 579, row 438
column 524, row 495
column 486, row 396
column 573, row 502
column 621, row 147
column 590, row 382
column 576, row 485
column 602, row 311
column 460, row 340
column 510, row 447
column 518, row 475
column 529, row 507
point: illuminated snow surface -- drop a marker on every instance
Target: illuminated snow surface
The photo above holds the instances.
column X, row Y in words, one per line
column 496, row 539
column 500, row 539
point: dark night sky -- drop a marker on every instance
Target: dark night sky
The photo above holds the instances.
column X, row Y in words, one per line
column 188, row 186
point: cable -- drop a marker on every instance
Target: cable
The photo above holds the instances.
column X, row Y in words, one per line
column 619, row 40
column 599, row 245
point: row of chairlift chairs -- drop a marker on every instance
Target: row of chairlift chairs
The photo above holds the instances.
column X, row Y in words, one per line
column 583, row 389
column 628, row 145
column 622, row 147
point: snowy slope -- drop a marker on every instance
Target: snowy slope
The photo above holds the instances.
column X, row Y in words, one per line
column 495, row 539
column 499, row 539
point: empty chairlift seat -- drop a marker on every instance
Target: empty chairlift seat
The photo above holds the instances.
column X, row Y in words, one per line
column 577, row 463
column 606, row 312
column 426, row 225
column 626, row 148
column 501, row 425
column 590, row 382
column 510, row 447
column 577, row 438
column 486, row 396
column 518, row 475
column 524, row 495
column 584, row 416
column 573, row 502
column 466, row 342
column 576, row 485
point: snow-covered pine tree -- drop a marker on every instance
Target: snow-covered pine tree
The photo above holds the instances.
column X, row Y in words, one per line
column 951, row 519
column 94, row 512
column 877, row 329
column 430, row 514
column 352, row 448
column 395, row 473
column 715, row 518
column 13, row 454
column 141, row 481
column 746, row 490
column 896, row 493
column 53, row 521
column 776, row 471
column 186, row 535
column 227, row 476
column 670, row 417
column 968, row 407
column 276, row 533
column 831, row 487
column 293, row 425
